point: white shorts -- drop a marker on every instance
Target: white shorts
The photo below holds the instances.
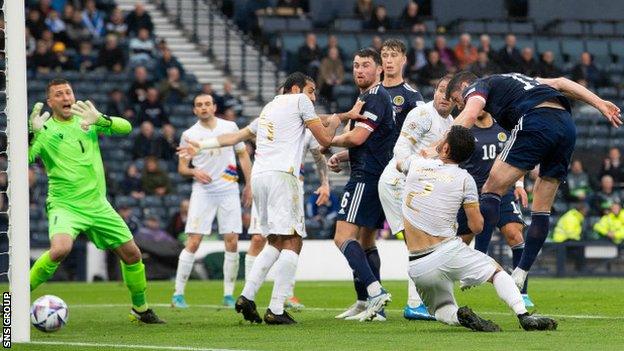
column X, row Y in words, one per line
column 203, row 208
column 391, row 184
column 452, row 261
column 278, row 201
column 254, row 222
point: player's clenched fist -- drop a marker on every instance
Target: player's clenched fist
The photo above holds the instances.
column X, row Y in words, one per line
column 37, row 119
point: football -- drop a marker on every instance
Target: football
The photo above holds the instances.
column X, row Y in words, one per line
column 49, row 313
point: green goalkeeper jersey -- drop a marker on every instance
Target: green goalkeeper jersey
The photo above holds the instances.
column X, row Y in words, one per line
column 73, row 161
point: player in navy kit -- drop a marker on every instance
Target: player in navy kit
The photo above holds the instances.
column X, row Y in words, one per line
column 370, row 141
column 538, row 114
column 489, row 141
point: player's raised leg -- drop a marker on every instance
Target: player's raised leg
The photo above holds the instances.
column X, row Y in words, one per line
column 45, row 266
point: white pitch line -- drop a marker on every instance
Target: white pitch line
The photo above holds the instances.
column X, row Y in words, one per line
column 126, row 346
column 573, row 316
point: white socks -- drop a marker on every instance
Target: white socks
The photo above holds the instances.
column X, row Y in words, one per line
column 508, row 292
column 374, row 288
column 447, row 314
column 264, row 261
column 286, row 267
column 185, row 266
column 249, row 262
column 230, row 272
column 413, row 299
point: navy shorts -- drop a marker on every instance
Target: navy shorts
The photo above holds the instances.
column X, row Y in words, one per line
column 543, row 136
column 509, row 213
column 360, row 205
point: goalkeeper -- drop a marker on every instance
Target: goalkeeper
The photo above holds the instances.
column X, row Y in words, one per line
column 68, row 145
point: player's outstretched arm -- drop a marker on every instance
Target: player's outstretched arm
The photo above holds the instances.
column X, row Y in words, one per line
column 91, row 116
column 468, row 116
column 324, row 134
column 229, row 139
column 355, row 137
column 578, row 92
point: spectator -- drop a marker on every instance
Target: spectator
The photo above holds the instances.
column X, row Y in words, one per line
column 111, row 55
column 85, row 60
column 152, row 109
column 611, row 225
column 36, row 23
column 76, row 30
column 177, row 223
column 146, row 143
column 528, row 65
column 290, row 8
column 230, row 101
column 433, row 71
column 131, row 184
column 577, row 187
column 93, row 19
column 218, row 99
column 37, row 195
column 229, row 115
column 570, row 225
column 547, row 68
column 332, row 42
column 63, row 61
column 160, row 249
column 166, row 61
column 324, row 216
column 132, row 221
column 173, row 90
column 154, row 180
column 331, row 74
column 141, row 48
column 118, row 106
column 139, row 18
column 57, row 26
column 31, row 44
column 310, row 56
column 138, row 88
column 364, row 9
column 612, row 165
column 485, row 45
column 606, row 196
column 68, row 13
column 380, row 21
column 586, row 73
column 416, row 56
column 483, row 67
column 445, row 54
column 44, row 7
column 43, row 60
column 410, row 20
column 509, row 56
column 465, row 52
column 116, row 24
column 168, row 143
column 377, row 43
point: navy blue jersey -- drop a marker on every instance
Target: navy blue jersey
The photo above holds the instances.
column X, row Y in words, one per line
column 404, row 99
column 369, row 159
column 509, row 96
column 489, row 143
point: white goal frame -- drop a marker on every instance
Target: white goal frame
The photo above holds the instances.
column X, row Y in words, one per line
column 17, row 152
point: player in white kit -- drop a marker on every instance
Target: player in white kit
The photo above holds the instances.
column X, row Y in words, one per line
column 258, row 241
column 276, row 189
column 215, row 194
column 434, row 192
column 423, row 126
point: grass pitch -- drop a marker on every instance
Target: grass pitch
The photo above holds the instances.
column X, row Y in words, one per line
column 589, row 311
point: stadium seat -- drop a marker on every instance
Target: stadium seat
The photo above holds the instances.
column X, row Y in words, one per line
column 599, row 48
column 160, row 212
column 151, row 201
column 292, row 42
column 617, row 49
column 172, row 200
column 603, row 28
column 349, row 43
column 570, row 28
column 299, row 24
column 475, row 27
column 497, row 27
column 572, row 48
column 348, row 24
column 522, row 28
column 122, row 200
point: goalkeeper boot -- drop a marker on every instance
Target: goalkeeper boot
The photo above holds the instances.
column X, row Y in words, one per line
column 147, row 317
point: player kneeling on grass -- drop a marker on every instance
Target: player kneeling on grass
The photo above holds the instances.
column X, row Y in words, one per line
column 68, row 145
column 434, row 192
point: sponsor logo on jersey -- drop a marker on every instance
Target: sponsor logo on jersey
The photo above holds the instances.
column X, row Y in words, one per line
column 502, row 137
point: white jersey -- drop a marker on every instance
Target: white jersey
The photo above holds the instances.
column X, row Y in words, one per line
column 434, row 192
column 280, row 133
column 219, row 163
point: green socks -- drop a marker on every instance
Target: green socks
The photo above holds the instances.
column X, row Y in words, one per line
column 134, row 277
column 42, row 270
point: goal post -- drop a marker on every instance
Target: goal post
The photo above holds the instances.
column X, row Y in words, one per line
column 17, row 152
